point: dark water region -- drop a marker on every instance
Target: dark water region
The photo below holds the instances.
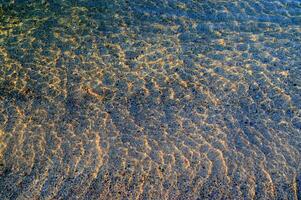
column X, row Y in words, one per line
column 149, row 99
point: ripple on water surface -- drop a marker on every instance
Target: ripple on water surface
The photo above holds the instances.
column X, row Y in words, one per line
column 150, row 99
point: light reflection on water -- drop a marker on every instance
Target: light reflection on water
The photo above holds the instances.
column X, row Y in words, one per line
column 150, row 99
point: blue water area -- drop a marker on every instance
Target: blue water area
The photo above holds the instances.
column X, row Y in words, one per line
column 149, row 99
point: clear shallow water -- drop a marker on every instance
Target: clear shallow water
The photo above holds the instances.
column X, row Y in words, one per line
column 150, row 99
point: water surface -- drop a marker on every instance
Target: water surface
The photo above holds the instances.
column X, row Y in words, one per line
column 149, row 99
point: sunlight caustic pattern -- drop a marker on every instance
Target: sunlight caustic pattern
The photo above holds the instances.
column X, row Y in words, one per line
column 150, row 99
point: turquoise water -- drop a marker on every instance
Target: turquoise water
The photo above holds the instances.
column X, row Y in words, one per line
column 149, row 99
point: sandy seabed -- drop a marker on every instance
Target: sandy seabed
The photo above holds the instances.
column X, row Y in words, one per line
column 149, row 99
